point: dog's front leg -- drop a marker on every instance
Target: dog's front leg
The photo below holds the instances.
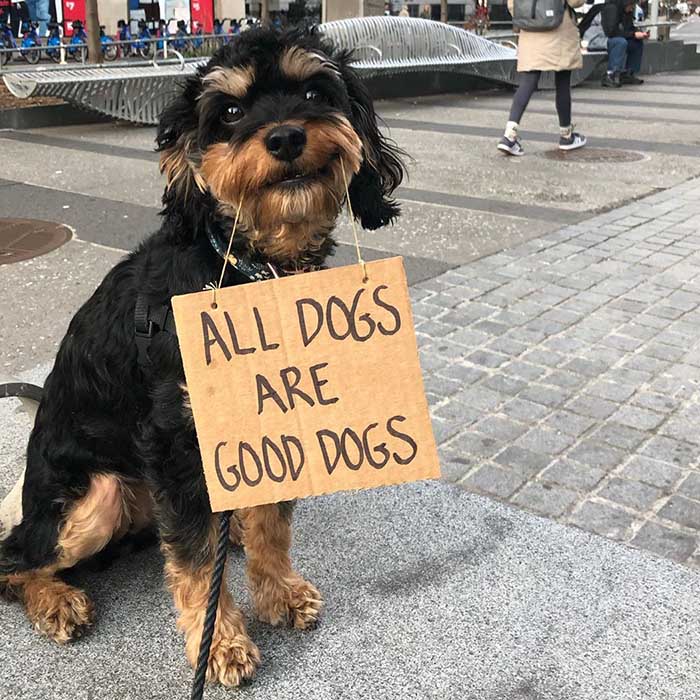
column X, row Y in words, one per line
column 279, row 593
column 189, row 559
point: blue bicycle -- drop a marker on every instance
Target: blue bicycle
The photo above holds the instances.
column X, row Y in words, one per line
column 31, row 44
column 53, row 50
column 142, row 45
column 109, row 48
column 77, row 48
column 7, row 41
column 181, row 42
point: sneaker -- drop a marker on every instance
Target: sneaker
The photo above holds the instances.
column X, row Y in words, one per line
column 630, row 79
column 611, row 81
column 572, row 142
column 512, row 148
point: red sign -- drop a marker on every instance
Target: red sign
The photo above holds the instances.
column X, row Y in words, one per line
column 202, row 13
column 72, row 10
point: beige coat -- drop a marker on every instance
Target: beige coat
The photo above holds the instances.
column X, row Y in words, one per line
column 557, row 49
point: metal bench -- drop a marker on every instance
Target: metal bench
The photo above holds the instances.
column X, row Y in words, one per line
column 381, row 46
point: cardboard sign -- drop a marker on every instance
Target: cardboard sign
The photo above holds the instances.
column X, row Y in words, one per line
column 306, row 385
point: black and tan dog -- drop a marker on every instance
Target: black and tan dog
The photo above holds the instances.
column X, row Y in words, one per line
column 273, row 119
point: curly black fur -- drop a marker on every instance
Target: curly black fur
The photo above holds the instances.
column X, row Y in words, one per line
column 102, row 413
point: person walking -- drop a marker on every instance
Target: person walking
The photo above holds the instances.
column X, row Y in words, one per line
column 540, row 49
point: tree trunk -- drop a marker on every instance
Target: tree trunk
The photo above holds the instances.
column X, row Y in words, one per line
column 93, row 32
column 443, row 10
column 264, row 11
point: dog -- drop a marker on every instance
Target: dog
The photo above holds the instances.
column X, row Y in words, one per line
column 273, row 127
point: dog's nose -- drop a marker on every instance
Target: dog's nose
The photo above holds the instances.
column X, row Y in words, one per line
column 286, row 142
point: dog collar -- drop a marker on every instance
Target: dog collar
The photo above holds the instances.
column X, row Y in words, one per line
column 253, row 270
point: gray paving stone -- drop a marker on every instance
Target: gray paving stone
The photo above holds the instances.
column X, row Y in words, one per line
column 545, row 499
column 500, row 427
column 639, row 418
column 468, row 337
column 589, row 368
column 650, row 471
column 573, row 475
column 665, row 542
column 480, row 446
column 494, row 481
column 545, row 395
column 548, row 358
column 507, row 346
column 441, row 386
column 602, row 519
column 691, row 487
column 592, row 406
column 595, row 453
column 524, row 370
column 613, row 391
column 522, row 461
column 632, row 494
column 663, row 352
column 565, row 379
column 684, row 425
column 545, row 441
column 481, row 397
column 667, row 449
column 487, row 359
column 504, row 384
column 523, row 410
column 569, row 422
column 683, row 511
column 461, row 373
column 620, row 436
column 656, row 402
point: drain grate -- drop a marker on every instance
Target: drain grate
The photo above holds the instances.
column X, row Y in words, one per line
column 595, row 155
column 21, row 239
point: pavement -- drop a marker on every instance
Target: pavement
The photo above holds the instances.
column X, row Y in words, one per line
column 557, row 304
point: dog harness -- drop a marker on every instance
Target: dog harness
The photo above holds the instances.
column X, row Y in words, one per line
column 150, row 319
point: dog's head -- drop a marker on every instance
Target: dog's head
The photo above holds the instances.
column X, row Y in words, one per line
column 276, row 122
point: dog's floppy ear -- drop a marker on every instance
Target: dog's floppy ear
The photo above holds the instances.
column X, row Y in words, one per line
column 176, row 140
column 382, row 169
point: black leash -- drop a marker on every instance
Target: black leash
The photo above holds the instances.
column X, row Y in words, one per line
column 150, row 319
column 217, row 575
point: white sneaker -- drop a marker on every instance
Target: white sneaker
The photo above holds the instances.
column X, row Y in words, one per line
column 572, row 142
column 512, row 148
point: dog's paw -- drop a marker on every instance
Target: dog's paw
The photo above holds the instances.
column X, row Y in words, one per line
column 297, row 602
column 63, row 613
column 232, row 660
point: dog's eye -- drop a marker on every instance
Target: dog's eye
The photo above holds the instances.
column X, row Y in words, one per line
column 232, row 114
column 313, row 96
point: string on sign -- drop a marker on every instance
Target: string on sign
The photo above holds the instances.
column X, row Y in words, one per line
column 360, row 260
column 228, row 251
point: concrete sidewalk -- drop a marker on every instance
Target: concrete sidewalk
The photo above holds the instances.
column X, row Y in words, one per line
column 431, row 593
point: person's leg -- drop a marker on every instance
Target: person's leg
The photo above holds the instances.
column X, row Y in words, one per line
column 635, row 49
column 521, row 99
column 569, row 140
column 562, row 83
column 528, row 84
column 43, row 16
column 617, row 54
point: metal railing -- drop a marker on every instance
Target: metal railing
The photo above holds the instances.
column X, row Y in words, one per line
column 79, row 50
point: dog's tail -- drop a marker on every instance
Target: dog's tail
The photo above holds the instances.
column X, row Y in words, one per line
column 11, row 505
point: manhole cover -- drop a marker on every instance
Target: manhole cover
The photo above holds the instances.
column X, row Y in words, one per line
column 21, row 239
column 595, row 155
